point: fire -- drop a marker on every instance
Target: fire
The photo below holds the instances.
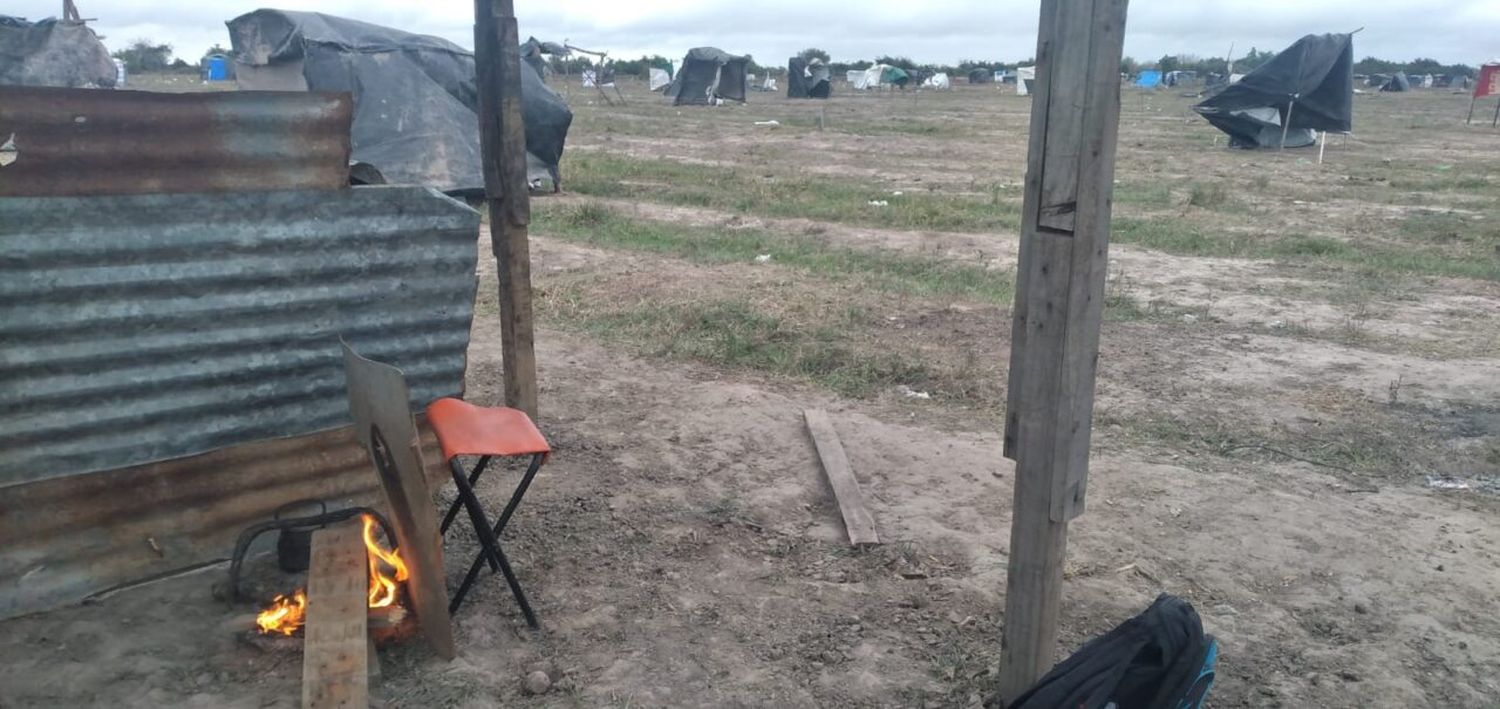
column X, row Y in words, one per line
column 286, row 615
column 382, row 587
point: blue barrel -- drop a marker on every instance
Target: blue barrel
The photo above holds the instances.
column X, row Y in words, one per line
column 218, row 68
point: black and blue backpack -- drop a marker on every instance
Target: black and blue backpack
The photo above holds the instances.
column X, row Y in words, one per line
column 1160, row 659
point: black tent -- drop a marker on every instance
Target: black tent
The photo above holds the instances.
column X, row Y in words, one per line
column 414, row 96
column 805, row 80
column 708, row 74
column 532, row 51
column 981, row 76
column 1308, row 87
column 1397, row 82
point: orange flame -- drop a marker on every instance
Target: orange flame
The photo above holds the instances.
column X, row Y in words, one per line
column 286, row 615
column 382, row 587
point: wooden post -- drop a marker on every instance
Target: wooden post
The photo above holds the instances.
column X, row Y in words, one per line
column 335, row 663
column 1472, row 98
column 1286, row 123
column 1496, row 119
column 502, row 133
column 1059, row 304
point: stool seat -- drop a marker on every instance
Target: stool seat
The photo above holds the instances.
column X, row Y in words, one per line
column 465, row 429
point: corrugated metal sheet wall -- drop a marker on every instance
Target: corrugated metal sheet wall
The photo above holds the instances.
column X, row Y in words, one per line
column 143, row 328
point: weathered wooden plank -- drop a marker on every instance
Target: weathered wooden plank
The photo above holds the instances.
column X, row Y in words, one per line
column 380, row 404
column 335, row 659
column 1059, row 305
column 857, row 519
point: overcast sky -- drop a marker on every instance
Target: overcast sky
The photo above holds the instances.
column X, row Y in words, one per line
column 938, row 31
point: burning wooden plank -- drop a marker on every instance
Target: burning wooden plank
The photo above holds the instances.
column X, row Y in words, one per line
column 335, row 661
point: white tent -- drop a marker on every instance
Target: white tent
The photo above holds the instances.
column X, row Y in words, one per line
column 853, row 75
column 938, row 81
column 659, row 79
column 1024, row 76
column 871, row 78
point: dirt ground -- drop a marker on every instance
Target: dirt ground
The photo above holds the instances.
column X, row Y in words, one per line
column 1285, row 401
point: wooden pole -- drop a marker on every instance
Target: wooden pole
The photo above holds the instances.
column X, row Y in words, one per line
column 1286, row 123
column 1472, row 98
column 502, row 134
column 1058, row 308
column 1496, row 119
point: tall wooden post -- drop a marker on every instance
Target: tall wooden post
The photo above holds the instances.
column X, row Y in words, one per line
column 1059, row 303
column 502, row 133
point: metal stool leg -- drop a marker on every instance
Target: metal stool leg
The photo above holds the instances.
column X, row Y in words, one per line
column 466, row 497
column 499, row 555
column 484, row 460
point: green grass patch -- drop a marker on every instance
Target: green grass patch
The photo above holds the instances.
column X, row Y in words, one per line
column 736, row 334
column 765, row 193
column 915, row 274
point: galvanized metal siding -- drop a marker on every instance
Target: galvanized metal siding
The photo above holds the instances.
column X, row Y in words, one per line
column 88, row 142
column 142, row 328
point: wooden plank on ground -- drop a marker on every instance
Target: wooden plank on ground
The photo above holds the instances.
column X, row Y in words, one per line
column 857, row 519
column 335, row 659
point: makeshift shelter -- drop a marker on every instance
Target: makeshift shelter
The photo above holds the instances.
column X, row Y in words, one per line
column 939, row 80
column 1396, row 83
column 1308, row 87
column 217, row 67
column 415, row 99
column 1025, row 77
column 658, row 79
column 53, row 52
column 854, row 75
column 709, row 75
column 882, row 75
column 804, row 80
column 981, row 76
column 1149, row 79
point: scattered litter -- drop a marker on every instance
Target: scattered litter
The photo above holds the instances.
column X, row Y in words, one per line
column 1448, row 482
column 773, row 123
column 1277, row 324
column 762, row 258
column 1189, row 318
column 1299, row 201
column 879, row 203
column 896, row 193
column 8, row 151
column 911, row 393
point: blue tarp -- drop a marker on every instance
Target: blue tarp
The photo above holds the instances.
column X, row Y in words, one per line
column 1148, row 79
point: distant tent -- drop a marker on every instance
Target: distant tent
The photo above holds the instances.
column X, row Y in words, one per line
column 999, row 76
column 603, row 77
column 1025, row 77
column 854, row 75
column 414, row 98
column 981, row 76
column 1427, row 81
column 939, row 80
column 659, row 78
column 805, row 80
column 1396, row 83
column 53, row 52
column 1148, row 79
column 1308, row 87
column 882, row 75
column 708, row 75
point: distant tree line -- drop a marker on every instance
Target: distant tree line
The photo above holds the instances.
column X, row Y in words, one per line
column 1255, row 58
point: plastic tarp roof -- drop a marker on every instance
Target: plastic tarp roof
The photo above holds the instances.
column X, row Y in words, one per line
column 415, row 97
column 53, row 52
column 1148, row 79
column 805, row 80
column 708, row 74
column 1312, row 80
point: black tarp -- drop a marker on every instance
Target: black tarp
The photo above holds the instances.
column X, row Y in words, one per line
column 981, row 76
column 806, row 81
column 1397, row 82
column 533, row 49
column 53, row 52
column 415, row 98
column 1315, row 76
column 708, row 73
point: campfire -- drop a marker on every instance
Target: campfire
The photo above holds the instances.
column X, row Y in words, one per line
column 287, row 614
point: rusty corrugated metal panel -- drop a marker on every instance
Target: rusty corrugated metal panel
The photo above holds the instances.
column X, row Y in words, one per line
column 71, row 536
column 143, row 328
column 89, row 142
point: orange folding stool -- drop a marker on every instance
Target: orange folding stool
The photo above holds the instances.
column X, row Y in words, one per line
column 465, row 429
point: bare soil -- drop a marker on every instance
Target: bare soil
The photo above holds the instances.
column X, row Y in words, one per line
column 1263, row 448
